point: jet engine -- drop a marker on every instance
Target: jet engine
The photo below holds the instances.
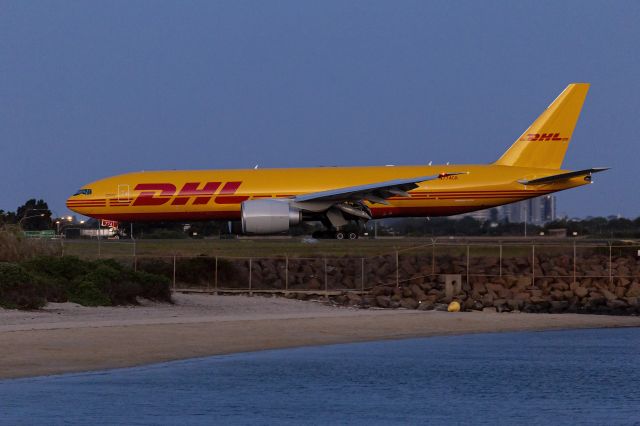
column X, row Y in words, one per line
column 268, row 216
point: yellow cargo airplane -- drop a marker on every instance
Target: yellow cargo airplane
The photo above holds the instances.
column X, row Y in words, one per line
column 269, row 201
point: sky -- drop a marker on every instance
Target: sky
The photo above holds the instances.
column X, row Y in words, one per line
column 90, row 89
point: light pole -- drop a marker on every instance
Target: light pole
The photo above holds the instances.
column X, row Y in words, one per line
column 29, row 217
column 59, row 223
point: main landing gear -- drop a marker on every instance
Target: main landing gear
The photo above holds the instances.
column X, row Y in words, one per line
column 335, row 235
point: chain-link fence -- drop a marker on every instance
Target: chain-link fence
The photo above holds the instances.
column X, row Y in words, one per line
column 508, row 264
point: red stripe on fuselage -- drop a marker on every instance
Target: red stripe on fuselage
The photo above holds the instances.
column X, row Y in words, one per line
column 168, row 216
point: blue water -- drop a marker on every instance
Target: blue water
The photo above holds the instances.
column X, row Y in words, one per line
column 567, row 377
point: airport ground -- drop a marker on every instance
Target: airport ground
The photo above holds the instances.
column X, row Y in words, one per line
column 64, row 338
column 295, row 246
column 241, row 247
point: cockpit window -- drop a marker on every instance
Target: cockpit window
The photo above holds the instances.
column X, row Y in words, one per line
column 83, row 192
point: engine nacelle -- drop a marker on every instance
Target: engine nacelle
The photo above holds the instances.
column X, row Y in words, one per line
column 268, row 216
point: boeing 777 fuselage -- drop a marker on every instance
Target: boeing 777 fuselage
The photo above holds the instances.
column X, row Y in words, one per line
column 271, row 200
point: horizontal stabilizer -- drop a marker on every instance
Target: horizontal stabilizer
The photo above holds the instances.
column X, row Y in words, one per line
column 563, row 176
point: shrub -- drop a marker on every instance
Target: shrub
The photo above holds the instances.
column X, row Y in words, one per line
column 14, row 247
column 154, row 287
column 86, row 293
column 19, row 289
column 156, row 266
column 58, row 273
column 65, row 268
column 102, row 282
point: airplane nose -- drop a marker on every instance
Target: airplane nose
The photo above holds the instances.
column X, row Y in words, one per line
column 86, row 203
column 72, row 204
column 81, row 204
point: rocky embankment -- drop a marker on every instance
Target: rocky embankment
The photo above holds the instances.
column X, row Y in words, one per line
column 594, row 280
column 552, row 287
column 505, row 295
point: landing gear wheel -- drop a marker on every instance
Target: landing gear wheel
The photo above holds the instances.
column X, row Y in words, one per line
column 353, row 236
column 339, row 235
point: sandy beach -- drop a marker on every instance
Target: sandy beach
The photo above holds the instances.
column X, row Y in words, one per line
column 63, row 338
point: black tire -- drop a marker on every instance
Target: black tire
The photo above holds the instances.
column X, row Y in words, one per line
column 353, row 236
column 339, row 235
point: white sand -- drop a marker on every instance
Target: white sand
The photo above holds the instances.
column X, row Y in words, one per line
column 188, row 308
column 69, row 338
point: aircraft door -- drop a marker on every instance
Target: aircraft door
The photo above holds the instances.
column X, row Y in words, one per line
column 123, row 192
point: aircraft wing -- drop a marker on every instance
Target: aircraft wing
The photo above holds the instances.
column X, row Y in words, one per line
column 374, row 192
column 562, row 176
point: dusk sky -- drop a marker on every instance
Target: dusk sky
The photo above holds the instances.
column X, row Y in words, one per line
column 90, row 89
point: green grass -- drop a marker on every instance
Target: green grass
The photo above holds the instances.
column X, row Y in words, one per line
column 237, row 248
column 297, row 247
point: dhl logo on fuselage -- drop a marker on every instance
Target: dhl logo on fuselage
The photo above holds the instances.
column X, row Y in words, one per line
column 157, row 194
column 531, row 137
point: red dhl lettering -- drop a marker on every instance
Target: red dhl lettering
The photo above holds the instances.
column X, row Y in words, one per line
column 531, row 137
column 157, row 194
column 190, row 190
column 226, row 194
column 154, row 194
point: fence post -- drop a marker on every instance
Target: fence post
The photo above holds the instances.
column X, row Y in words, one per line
column 610, row 263
column 575, row 258
column 286, row 274
column 500, row 259
column 250, row 274
column 433, row 258
column 174, row 272
column 135, row 258
column 209, row 284
column 326, row 282
column 533, row 264
column 215, row 277
column 362, row 275
column 397, row 270
column 468, row 261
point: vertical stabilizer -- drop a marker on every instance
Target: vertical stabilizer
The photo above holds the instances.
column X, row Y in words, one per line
column 545, row 142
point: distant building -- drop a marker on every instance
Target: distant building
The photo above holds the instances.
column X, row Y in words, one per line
column 481, row 215
column 94, row 233
column 536, row 211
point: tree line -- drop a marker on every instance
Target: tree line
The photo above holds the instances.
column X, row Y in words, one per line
column 597, row 227
column 34, row 215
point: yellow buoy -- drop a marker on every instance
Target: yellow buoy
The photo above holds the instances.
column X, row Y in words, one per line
column 454, row 307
